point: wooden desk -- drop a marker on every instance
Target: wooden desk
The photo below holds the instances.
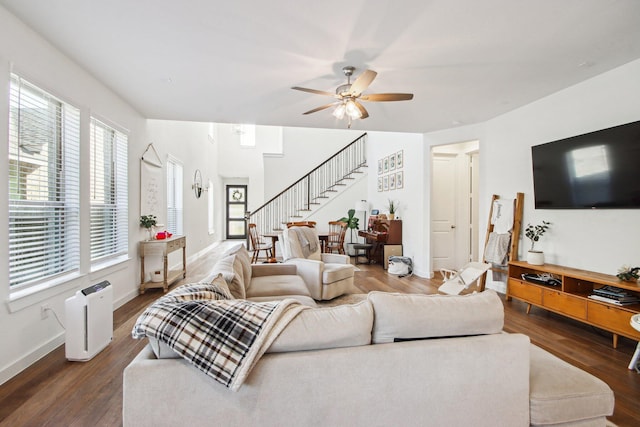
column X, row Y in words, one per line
column 167, row 245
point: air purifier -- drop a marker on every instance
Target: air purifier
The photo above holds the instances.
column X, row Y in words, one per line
column 89, row 320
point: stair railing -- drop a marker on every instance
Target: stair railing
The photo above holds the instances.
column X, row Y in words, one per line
column 299, row 197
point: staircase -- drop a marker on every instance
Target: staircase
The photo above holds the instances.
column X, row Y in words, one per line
column 298, row 200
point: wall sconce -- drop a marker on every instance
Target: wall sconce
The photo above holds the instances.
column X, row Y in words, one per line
column 197, row 183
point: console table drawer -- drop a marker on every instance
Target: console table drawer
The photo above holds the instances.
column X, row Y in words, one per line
column 568, row 304
column 174, row 245
column 526, row 292
column 611, row 318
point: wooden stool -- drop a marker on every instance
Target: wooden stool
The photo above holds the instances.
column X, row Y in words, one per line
column 367, row 251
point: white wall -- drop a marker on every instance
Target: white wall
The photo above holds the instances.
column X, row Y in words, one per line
column 599, row 240
column 412, row 199
column 189, row 143
column 24, row 336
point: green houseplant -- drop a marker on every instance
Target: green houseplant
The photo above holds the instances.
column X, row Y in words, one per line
column 534, row 233
column 393, row 208
column 148, row 222
column 353, row 223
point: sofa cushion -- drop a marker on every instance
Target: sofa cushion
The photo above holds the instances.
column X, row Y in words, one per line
column 562, row 393
column 327, row 327
column 302, row 299
column 414, row 316
column 224, row 266
column 287, row 284
column 336, row 272
column 245, row 258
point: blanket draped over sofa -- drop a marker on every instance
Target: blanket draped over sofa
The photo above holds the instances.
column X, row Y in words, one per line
column 222, row 337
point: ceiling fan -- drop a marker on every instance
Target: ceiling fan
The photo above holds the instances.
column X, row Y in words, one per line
column 350, row 94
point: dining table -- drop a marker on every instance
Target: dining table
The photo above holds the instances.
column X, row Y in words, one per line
column 275, row 236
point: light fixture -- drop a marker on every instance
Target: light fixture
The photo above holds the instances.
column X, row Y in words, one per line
column 352, row 110
column 339, row 111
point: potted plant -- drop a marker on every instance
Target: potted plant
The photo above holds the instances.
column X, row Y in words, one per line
column 393, row 208
column 352, row 224
column 533, row 233
column 148, row 222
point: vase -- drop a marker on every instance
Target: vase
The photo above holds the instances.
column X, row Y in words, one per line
column 150, row 233
column 392, row 216
column 535, row 257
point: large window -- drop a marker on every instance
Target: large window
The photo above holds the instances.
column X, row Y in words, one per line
column 174, row 196
column 109, row 193
column 43, row 185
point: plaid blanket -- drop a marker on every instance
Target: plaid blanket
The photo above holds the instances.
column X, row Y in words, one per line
column 222, row 337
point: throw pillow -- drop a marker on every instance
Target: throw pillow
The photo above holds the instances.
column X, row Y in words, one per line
column 327, row 327
column 413, row 316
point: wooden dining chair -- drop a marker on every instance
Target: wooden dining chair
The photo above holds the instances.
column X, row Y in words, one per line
column 335, row 239
column 311, row 224
column 257, row 244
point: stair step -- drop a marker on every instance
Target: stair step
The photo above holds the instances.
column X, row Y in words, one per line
column 304, row 210
column 315, row 203
column 296, row 216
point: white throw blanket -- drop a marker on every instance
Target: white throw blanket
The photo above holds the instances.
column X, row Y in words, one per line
column 224, row 338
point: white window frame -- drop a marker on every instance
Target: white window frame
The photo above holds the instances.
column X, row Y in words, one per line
column 44, row 206
column 175, row 196
column 108, row 194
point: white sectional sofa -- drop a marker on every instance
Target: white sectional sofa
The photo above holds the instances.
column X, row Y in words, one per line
column 388, row 360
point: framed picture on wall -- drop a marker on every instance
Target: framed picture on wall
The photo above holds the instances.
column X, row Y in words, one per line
column 399, row 159
column 392, row 181
column 385, row 183
column 380, row 167
column 379, row 183
column 385, row 164
column 392, row 162
column 399, row 179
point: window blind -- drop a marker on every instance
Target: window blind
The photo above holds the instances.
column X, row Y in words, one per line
column 174, row 197
column 44, row 140
column 109, row 192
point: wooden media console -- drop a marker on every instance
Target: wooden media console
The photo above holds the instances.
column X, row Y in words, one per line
column 570, row 296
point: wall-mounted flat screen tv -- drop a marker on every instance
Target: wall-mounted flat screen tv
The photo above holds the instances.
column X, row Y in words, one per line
column 597, row 170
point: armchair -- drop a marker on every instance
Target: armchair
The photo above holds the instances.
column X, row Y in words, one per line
column 327, row 275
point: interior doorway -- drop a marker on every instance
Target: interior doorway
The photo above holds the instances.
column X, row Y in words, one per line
column 454, row 205
column 236, row 204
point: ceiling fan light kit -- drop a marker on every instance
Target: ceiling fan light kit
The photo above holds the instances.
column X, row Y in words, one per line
column 349, row 96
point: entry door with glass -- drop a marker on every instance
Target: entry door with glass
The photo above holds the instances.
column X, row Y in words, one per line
column 236, row 208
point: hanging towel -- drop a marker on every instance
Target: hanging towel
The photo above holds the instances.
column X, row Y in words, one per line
column 502, row 216
column 497, row 248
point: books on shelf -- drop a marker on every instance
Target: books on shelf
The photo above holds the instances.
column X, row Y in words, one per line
column 616, row 296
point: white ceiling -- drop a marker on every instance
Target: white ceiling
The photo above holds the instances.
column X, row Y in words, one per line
column 466, row 61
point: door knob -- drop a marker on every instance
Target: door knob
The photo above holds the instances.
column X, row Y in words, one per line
column 453, row 226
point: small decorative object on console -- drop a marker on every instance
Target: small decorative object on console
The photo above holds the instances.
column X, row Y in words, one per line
column 533, row 233
column 627, row 273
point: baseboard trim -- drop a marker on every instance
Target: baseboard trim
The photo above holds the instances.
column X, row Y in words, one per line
column 32, row 357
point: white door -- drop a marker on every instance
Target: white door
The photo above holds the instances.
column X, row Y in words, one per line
column 443, row 211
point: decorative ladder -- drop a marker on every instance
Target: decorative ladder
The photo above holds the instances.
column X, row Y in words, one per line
column 311, row 189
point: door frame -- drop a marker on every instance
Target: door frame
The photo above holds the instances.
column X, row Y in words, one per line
column 228, row 203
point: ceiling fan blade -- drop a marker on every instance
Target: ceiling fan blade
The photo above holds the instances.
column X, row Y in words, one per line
column 383, row 97
column 317, row 92
column 362, row 82
column 324, row 107
column 363, row 110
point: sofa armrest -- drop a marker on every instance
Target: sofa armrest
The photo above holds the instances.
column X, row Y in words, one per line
column 311, row 272
column 258, row 270
column 335, row 258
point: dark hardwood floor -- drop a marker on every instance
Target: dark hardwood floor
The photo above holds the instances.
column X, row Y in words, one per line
column 56, row 392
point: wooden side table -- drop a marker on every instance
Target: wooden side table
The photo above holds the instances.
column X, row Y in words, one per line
column 167, row 245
